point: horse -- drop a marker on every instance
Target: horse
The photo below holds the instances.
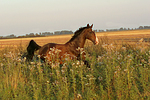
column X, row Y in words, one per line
column 71, row 49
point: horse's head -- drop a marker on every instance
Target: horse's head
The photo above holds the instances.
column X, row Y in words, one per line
column 90, row 34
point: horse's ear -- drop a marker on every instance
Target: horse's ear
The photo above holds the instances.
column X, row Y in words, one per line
column 88, row 25
column 91, row 25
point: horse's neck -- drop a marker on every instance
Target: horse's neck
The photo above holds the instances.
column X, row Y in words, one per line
column 79, row 41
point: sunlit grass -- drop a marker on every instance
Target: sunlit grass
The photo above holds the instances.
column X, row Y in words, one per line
column 117, row 72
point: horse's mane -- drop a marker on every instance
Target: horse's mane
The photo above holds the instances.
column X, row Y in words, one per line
column 78, row 32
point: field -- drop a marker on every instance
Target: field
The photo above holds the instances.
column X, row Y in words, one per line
column 120, row 70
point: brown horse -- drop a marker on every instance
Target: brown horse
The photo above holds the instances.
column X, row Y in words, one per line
column 71, row 49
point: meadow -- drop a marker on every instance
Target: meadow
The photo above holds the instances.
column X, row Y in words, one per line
column 120, row 70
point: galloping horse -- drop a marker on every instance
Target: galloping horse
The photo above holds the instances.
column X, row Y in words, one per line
column 70, row 48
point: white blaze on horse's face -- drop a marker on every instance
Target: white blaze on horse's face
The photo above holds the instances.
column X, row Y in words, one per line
column 96, row 41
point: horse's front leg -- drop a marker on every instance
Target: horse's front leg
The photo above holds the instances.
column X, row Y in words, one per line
column 86, row 63
column 82, row 57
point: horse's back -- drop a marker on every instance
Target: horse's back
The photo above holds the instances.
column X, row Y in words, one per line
column 46, row 48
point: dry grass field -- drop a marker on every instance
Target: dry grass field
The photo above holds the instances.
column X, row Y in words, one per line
column 119, row 36
column 40, row 40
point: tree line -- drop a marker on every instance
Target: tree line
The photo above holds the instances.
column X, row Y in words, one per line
column 123, row 29
column 42, row 34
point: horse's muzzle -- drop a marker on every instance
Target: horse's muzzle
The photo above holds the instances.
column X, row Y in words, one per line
column 96, row 41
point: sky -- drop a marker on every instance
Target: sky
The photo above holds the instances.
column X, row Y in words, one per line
column 20, row 17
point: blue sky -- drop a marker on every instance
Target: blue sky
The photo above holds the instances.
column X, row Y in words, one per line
column 20, row 17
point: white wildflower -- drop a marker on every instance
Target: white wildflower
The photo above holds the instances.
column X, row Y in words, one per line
column 141, row 40
column 79, row 96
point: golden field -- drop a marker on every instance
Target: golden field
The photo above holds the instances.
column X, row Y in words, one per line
column 120, row 70
column 126, row 36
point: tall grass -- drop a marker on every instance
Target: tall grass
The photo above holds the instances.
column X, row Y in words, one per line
column 118, row 72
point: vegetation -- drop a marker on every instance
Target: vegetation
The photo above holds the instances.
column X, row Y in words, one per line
column 118, row 72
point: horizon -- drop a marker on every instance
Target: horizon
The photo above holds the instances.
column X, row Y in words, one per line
column 23, row 17
column 96, row 30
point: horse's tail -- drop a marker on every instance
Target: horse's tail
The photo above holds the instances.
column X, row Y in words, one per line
column 31, row 48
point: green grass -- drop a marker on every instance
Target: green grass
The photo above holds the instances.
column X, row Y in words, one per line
column 116, row 73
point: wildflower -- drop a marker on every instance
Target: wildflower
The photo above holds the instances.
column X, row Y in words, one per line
column 52, row 54
column 62, row 71
column 79, row 96
column 57, row 71
column 87, row 75
column 39, row 63
column 87, row 84
column 130, row 60
column 56, row 82
column 85, row 56
column 64, row 79
column 99, row 58
column 85, row 78
column 115, row 72
column 125, row 70
column 123, row 48
column 57, row 51
column 108, row 57
column 118, row 68
column 51, row 74
column 71, row 70
column 53, row 65
column 92, row 79
column 118, row 58
column 73, row 64
column 47, row 81
column 129, row 56
column 149, row 60
column 76, row 66
column 39, row 56
column 64, row 66
column 51, row 49
column 105, row 46
column 140, row 64
column 32, row 83
column 2, row 64
column 24, row 59
column 78, row 62
column 66, row 59
column 19, row 60
column 132, row 67
column 82, row 63
column 4, row 54
column 79, row 49
column 143, row 61
column 141, row 40
column 32, row 63
column 100, row 78
column 111, row 46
